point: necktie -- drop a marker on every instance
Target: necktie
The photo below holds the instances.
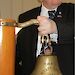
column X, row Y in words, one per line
column 51, row 14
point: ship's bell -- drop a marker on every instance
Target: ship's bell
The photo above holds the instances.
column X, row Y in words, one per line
column 47, row 64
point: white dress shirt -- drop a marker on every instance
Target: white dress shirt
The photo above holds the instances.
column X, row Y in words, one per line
column 53, row 36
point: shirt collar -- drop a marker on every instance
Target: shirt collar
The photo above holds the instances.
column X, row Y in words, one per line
column 44, row 11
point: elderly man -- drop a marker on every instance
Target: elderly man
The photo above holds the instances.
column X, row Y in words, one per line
column 59, row 26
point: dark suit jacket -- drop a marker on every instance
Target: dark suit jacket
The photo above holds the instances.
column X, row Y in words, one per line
column 27, row 40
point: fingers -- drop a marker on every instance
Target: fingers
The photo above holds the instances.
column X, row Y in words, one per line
column 42, row 20
column 46, row 26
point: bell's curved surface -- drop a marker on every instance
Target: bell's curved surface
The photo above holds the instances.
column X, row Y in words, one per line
column 47, row 65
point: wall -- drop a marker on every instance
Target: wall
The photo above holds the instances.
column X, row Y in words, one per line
column 12, row 8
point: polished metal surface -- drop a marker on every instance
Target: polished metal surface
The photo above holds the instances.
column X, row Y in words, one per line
column 47, row 65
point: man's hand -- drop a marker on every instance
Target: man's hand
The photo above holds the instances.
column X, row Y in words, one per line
column 46, row 26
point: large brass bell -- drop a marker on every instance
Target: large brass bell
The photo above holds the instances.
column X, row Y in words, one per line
column 47, row 63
